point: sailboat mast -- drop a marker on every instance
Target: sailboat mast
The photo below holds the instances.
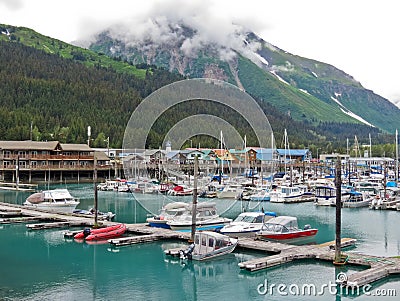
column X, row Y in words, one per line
column 370, row 146
column 397, row 158
column 245, row 155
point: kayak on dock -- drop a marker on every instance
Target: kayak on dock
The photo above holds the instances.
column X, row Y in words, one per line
column 101, row 233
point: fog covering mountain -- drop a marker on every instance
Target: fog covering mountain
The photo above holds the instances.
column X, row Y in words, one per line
column 304, row 89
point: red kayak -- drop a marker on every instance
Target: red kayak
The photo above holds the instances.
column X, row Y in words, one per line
column 101, row 233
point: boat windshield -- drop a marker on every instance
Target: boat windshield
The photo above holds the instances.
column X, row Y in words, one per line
column 245, row 219
column 277, row 228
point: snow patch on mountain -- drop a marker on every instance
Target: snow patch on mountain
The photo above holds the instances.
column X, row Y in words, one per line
column 278, row 77
column 355, row 116
column 304, row 91
column 262, row 60
column 348, row 112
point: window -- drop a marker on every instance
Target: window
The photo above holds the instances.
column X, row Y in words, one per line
column 259, row 219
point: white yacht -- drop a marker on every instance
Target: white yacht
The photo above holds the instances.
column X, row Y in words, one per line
column 247, row 224
column 56, row 200
column 168, row 212
column 206, row 219
column 230, row 191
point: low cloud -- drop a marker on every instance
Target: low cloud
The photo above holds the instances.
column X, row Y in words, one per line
column 192, row 25
column 12, row 4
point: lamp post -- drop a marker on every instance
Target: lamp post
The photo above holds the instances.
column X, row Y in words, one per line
column 108, row 154
column 317, row 153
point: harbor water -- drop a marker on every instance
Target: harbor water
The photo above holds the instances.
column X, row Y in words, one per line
column 43, row 265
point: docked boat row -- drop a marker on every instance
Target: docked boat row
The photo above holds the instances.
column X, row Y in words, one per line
column 208, row 244
column 178, row 217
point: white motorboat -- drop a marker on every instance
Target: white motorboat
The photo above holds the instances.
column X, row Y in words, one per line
column 209, row 245
column 325, row 195
column 357, row 199
column 167, row 213
column 262, row 195
column 247, row 224
column 288, row 194
column 206, row 219
column 387, row 198
column 56, row 200
column 230, row 191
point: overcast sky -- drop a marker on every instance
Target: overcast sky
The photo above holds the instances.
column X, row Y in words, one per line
column 359, row 37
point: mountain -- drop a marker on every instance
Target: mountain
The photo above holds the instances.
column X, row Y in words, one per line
column 307, row 90
column 54, row 90
column 51, row 90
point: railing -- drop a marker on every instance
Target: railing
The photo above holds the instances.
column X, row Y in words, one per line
column 55, row 167
column 46, row 157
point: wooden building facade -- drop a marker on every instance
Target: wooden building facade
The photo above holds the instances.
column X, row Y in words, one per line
column 37, row 161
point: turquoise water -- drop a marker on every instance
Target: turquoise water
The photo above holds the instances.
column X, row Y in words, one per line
column 43, row 265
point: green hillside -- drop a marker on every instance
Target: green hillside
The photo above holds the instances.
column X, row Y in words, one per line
column 60, row 89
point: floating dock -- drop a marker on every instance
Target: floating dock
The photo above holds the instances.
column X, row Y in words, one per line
column 279, row 253
column 18, row 187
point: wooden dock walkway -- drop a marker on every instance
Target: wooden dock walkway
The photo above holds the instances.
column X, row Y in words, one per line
column 280, row 253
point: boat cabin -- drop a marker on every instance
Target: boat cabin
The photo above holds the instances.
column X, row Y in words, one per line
column 206, row 242
column 254, row 217
column 281, row 224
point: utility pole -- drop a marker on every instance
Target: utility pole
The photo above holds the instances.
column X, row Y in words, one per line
column 95, row 190
column 338, row 177
column 194, row 205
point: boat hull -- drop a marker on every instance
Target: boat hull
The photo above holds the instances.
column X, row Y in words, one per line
column 215, row 253
column 67, row 207
column 199, row 226
column 157, row 223
column 296, row 235
column 107, row 235
column 81, row 235
column 237, row 234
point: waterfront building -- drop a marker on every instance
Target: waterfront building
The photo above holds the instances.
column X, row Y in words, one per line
column 36, row 161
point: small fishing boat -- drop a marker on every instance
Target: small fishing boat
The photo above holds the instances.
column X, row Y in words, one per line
column 262, row 195
column 180, row 190
column 284, row 194
column 387, row 198
column 284, row 228
column 325, row 195
column 208, row 245
column 105, row 216
column 357, row 199
column 230, row 191
column 247, row 224
column 101, row 233
column 167, row 213
column 56, row 200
